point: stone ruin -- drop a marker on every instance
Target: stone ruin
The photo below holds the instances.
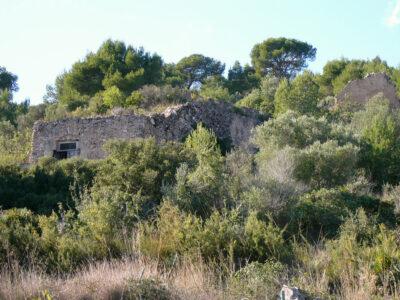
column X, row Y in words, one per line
column 359, row 91
column 85, row 137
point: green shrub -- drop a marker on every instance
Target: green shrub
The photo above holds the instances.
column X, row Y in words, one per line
column 391, row 195
column 300, row 95
column 264, row 240
column 292, row 129
column 257, row 280
column 147, row 289
column 320, row 213
column 135, row 172
column 214, row 88
column 150, row 96
column 327, row 164
column 14, row 144
column 379, row 127
column 19, row 237
column 364, row 242
column 299, row 131
column 173, row 233
column 262, row 98
column 222, row 236
column 44, row 185
column 239, row 167
column 200, row 189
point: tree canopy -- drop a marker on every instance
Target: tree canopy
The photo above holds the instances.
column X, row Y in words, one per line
column 301, row 94
column 8, row 81
column 114, row 65
column 281, row 57
column 312, row 198
column 337, row 73
column 196, row 68
column 9, row 110
column 241, row 79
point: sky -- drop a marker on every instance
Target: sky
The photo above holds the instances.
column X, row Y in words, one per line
column 42, row 38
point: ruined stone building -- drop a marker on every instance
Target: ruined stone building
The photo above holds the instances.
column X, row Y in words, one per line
column 359, row 91
column 85, row 137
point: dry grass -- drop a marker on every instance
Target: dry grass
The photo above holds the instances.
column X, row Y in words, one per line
column 189, row 280
column 108, row 280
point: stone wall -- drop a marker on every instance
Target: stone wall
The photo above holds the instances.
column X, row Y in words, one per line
column 230, row 124
column 359, row 91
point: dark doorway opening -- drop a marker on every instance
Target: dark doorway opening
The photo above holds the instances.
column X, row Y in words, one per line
column 66, row 149
column 60, row 154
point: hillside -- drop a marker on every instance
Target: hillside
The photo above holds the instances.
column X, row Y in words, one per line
column 138, row 179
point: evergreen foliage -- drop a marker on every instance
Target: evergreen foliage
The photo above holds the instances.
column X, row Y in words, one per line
column 313, row 198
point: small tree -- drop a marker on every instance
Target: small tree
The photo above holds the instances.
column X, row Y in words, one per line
column 331, row 71
column 214, row 88
column 379, row 126
column 301, row 95
column 241, row 79
column 199, row 189
column 113, row 97
column 262, row 98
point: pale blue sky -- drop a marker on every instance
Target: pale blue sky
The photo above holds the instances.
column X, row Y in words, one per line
column 41, row 38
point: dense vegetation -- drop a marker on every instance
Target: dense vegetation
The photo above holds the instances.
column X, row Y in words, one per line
column 316, row 205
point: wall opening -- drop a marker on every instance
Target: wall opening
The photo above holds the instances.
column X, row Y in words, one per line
column 66, row 149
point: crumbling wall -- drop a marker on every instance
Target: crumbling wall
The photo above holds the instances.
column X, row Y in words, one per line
column 359, row 91
column 230, row 124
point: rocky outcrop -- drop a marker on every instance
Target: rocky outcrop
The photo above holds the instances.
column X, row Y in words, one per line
column 288, row 293
column 358, row 92
column 230, row 124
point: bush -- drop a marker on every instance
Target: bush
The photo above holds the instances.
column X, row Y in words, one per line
column 363, row 243
column 327, row 164
column 150, row 96
column 391, row 195
column 44, row 185
column 200, row 189
column 222, row 236
column 270, row 196
column 264, row 240
column 147, row 289
column 51, row 244
column 300, row 95
column 320, row 213
column 14, row 144
column 214, row 93
column 113, row 97
column 19, row 236
column 136, row 171
column 239, row 168
column 173, row 233
column 299, row 131
column 379, row 128
column 214, row 88
column 257, row 280
column 268, row 187
column 263, row 98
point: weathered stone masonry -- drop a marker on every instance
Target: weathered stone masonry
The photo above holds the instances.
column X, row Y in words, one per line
column 88, row 135
column 361, row 90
